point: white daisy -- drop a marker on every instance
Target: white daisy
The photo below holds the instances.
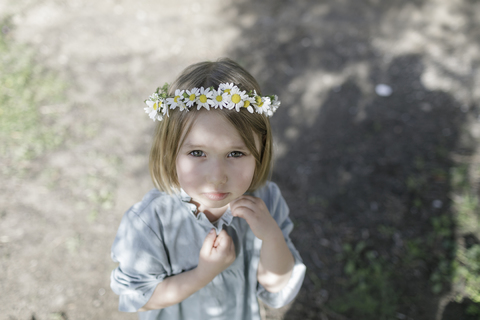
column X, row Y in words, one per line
column 220, row 99
column 237, row 98
column 192, row 96
column 226, row 87
column 177, row 100
column 205, row 99
column 263, row 104
column 152, row 109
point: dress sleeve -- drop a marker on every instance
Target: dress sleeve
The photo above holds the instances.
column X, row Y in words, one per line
column 143, row 262
column 279, row 210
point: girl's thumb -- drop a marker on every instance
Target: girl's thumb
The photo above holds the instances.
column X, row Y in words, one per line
column 209, row 240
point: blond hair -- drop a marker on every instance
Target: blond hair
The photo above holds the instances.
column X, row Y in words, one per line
column 171, row 132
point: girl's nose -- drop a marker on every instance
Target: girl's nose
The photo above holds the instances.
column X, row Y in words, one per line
column 217, row 174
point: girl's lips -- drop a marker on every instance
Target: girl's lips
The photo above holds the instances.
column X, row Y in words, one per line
column 216, row 196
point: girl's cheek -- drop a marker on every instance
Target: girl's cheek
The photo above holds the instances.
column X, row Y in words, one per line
column 185, row 165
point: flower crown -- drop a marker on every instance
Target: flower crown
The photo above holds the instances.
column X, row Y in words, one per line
column 227, row 96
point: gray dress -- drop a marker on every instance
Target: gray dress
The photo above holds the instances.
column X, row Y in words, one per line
column 161, row 236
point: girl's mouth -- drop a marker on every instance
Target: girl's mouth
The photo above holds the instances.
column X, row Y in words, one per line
column 216, row 196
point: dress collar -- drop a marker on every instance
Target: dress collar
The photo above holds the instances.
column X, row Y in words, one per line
column 225, row 219
column 186, row 199
column 184, row 196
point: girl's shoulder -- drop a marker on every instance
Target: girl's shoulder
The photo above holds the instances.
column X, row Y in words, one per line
column 269, row 193
column 154, row 205
column 149, row 216
column 154, row 198
column 270, row 188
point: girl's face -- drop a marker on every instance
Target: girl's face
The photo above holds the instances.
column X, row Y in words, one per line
column 214, row 166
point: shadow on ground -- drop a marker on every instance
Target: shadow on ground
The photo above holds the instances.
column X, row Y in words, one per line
column 367, row 177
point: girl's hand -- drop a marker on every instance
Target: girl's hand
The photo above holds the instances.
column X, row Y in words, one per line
column 216, row 254
column 256, row 213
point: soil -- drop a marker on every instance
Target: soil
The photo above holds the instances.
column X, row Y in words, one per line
column 344, row 151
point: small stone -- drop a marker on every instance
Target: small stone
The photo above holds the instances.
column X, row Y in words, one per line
column 324, row 293
column 437, row 204
column 383, row 90
column 325, row 242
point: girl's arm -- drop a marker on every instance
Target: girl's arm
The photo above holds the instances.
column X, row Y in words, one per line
column 216, row 254
column 175, row 289
column 276, row 260
column 276, row 263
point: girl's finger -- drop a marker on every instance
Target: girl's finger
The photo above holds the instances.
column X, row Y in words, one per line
column 223, row 240
column 221, row 237
column 243, row 204
column 241, row 212
column 209, row 241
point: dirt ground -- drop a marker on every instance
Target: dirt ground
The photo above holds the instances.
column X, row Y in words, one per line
column 343, row 151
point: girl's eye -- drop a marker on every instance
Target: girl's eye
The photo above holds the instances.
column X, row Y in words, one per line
column 236, row 154
column 197, row 153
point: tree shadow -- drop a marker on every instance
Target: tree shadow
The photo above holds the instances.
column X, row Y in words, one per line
column 367, row 177
column 383, row 180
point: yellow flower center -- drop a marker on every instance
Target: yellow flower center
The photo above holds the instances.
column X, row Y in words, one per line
column 258, row 99
column 227, row 90
column 192, row 97
column 155, row 106
column 219, row 98
column 203, row 98
column 246, row 104
column 176, row 99
column 236, row 98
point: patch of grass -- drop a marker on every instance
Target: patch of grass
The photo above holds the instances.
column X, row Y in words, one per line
column 415, row 251
column 416, row 183
column 386, row 231
column 25, row 87
column 369, row 292
column 98, row 184
column 466, row 207
column 442, row 275
column 459, row 177
column 442, row 226
column 443, row 247
column 468, row 273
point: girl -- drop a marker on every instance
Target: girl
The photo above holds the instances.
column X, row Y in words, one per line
column 214, row 234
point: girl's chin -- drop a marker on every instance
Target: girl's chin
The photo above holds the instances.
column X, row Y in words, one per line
column 216, row 205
